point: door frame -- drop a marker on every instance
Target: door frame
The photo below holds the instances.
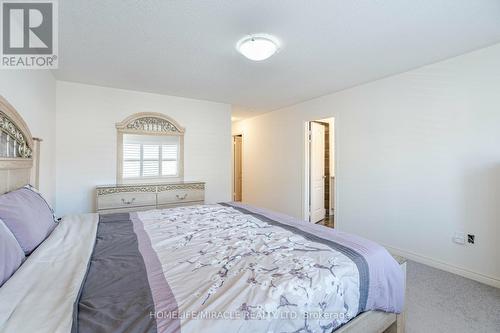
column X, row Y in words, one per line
column 306, row 158
column 233, row 160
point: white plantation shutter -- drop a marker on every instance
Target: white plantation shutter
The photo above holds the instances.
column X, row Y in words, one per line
column 151, row 151
column 131, row 160
column 131, row 169
column 170, row 153
column 151, row 160
column 132, row 151
column 169, row 168
column 150, row 168
column 150, row 156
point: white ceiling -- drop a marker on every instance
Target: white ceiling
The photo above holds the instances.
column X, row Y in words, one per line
column 187, row 47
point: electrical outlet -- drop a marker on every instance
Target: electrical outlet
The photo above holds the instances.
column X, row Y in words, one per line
column 471, row 238
column 459, row 238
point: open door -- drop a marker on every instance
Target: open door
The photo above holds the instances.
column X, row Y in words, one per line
column 237, row 186
column 317, row 172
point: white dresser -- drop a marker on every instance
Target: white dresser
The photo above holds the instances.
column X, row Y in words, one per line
column 140, row 197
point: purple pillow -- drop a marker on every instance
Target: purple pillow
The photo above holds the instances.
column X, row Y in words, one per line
column 28, row 216
column 34, row 189
column 11, row 254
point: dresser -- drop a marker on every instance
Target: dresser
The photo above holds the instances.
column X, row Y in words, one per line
column 140, row 197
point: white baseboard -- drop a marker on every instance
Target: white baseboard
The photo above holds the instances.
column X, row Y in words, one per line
column 489, row 280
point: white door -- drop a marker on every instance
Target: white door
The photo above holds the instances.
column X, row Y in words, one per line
column 317, row 167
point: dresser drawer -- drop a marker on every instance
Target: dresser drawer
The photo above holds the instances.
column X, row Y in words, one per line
column 126, row 209
column 180, row 204
column 180, row 196
column 126, row 199
column 129, row 198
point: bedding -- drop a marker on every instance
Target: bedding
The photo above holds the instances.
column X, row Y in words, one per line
column 41, row 294
column 28, row 216
column 205, row 268
column 35, row 190
column 12, row 256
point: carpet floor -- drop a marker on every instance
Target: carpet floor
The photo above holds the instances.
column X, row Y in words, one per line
column 441, row 302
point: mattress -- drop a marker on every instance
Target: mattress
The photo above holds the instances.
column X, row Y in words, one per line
column 206, row 268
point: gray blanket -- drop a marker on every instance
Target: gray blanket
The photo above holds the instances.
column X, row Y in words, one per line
column 115, row 296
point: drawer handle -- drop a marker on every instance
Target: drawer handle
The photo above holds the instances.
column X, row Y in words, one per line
column 181, row 198
column 128, row 202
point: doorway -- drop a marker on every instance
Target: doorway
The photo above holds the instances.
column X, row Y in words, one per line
column 320, row 172
column 237, row 167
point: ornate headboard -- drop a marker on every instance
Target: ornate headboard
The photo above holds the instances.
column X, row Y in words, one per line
column 19, row 151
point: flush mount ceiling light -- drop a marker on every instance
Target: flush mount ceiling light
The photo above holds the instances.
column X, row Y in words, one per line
column 258, row 47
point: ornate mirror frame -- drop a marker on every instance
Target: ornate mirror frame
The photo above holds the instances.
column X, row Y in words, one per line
column 149, row 123
column 23, row 168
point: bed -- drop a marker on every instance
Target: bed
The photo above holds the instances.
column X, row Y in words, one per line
column 223, row 267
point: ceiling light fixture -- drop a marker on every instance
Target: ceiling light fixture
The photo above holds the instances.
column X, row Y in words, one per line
column 258, row 47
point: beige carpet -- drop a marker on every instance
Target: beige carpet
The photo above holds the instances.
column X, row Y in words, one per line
column 442, row 302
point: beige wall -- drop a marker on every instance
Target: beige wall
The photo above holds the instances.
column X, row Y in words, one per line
column 33, row 94
column 86, row 140
column 418, row 158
